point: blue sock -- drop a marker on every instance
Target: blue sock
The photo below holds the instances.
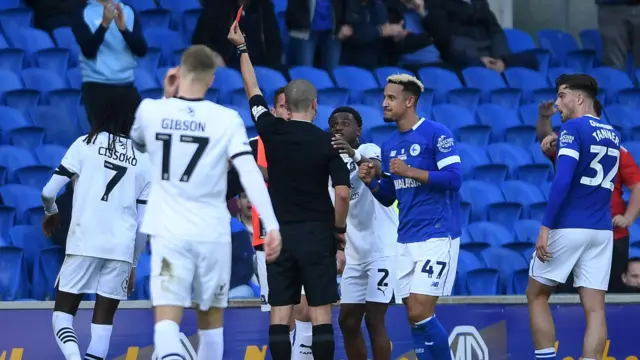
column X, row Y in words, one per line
column 546, row 354
column 421, row 350
column 435, row 339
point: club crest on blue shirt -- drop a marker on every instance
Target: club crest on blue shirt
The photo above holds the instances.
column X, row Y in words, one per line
column 565, row 139
column 445, row 144
column 414, row 150
column 392, row 153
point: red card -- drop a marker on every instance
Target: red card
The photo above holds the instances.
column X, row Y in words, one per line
column 238, row 16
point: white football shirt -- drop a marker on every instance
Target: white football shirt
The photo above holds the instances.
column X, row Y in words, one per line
column 190, row 144
column 372, row 229
column 111, row 182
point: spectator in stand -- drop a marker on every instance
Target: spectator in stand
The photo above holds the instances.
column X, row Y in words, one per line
column 52, row 14
column 631, row 275
column 408, row 42
column 316, row 25
column 259, row 23
column 623, row 218
column 619, row 23
column 467, row 33
column 242, row 261
column 111, row 40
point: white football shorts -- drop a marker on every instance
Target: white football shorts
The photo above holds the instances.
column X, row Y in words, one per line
column 178, row 266
column 586, row 252
column 428, row 267
column 372, row 281
column 91, row 275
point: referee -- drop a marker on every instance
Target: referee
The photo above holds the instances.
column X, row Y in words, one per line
column 301, row 160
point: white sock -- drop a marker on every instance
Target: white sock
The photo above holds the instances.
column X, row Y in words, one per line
column 99, row 345
column 302, row 345
column 210, row 344
column 548, row 353
column 166, row 339
column 66, row 335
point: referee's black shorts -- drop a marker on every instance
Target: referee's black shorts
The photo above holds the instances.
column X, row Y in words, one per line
column 308, row 258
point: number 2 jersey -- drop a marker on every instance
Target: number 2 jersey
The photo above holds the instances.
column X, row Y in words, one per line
column 111, row 182
column 190, row 144
column 372, row 229
column 587, row 165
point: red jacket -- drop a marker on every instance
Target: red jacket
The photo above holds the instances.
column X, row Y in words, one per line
column 628, row 175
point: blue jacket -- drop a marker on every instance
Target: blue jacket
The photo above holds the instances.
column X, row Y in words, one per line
column 108, row 54
column 242, row 254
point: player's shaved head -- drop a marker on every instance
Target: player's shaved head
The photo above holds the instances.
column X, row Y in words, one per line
column 300, row 95
column 199, row 62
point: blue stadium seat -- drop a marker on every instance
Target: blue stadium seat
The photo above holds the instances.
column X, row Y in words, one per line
column 356, row 80
column 554, row 72
column 544, row 187
column 634, row 234
column 28, row 137
column 519, row 282
column 188, row 23
column 151, row 61
column 506, row 261
column 333, row 97
column 425, row 103
column 64, row 38
column 462, row 123
column 142, row 5
column 322, row 118
column 490, row 233
column 506, row 125
column 371, row 116
column 480, row 194
column 23, row 100
column 177, row 7
column 83, row 119
column 155, row 18
column 382, row 73
column 66, row 98
column 520, row 41
column 374, row 98
column 483, row 282
column 16, row 18
column 56, row 60
column 565, row 51
column 634, row 251
column 529, row 116
column 523, row 193
column 591, row 39
column 74, row 78
column 469, row 244
column 50, row 155
column 13, row 282
column 615, row 83
column 31, row 240
column 61, row 128
column 227, row 80
column 32, row 41
column 11, row 119
column 12, row 158
column 538, row 156
column 156, row 93
column 7, row 220
column 145, row 80
column 465, row 214
column 46, row 268
column 471, row 156
column 505, row 213
column 425, row 55
column 622, row 118
column 35, row 176
column 22, row 198
column 467, row 261
column 12, row 59
column 212, row 95
column 527, row 231
column 448, row 87
column 519, row 161
column 42, row 80
column 318, row 77
column 9, row 81
column 493, row 87
column 166, row 40
column 532, row 84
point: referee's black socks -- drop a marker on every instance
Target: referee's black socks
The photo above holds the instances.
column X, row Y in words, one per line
column 323, row 345
column 279, row 342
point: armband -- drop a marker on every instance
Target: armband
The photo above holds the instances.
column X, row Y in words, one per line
column 242, row 49
column 357, row 156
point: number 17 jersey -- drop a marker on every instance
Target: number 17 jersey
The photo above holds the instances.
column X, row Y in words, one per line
column 190, row 144
column 596, row 147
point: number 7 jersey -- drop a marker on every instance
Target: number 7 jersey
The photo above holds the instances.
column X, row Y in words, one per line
column 596, row 147
column 190, row 144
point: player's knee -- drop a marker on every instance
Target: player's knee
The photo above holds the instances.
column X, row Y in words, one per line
column 301, row 312
column 375, row 323
column 420, row 307
column 536, row 292
column 104, row 310
column 168, row 312
column 210, row 319
column 349, row 321
column 320, row 314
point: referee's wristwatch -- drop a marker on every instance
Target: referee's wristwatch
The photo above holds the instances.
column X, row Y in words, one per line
column 340, row 230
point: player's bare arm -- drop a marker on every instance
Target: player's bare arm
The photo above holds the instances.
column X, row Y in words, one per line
column 251, row 87
column 546, row 109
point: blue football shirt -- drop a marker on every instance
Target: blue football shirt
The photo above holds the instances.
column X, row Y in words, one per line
column 424, row 209
column 587, row 165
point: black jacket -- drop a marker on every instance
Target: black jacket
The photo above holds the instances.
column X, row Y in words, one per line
column 259, row 25
column 297, row 9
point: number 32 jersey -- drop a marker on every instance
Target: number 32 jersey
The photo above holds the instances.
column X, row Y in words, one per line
column 111, row 182
column 596, row 147
column 190, row 144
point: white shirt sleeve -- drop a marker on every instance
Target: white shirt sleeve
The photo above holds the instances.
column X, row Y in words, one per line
column 238, row 142
column 70, row 165
column 253, row 184
column 137, row 130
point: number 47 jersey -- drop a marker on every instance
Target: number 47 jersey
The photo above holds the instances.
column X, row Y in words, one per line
column 596, row 147
column 190, row 144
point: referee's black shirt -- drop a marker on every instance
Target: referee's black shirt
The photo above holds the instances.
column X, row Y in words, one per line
column 300, row 161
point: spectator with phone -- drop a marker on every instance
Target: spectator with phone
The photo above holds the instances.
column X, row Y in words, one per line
column 111, row 40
